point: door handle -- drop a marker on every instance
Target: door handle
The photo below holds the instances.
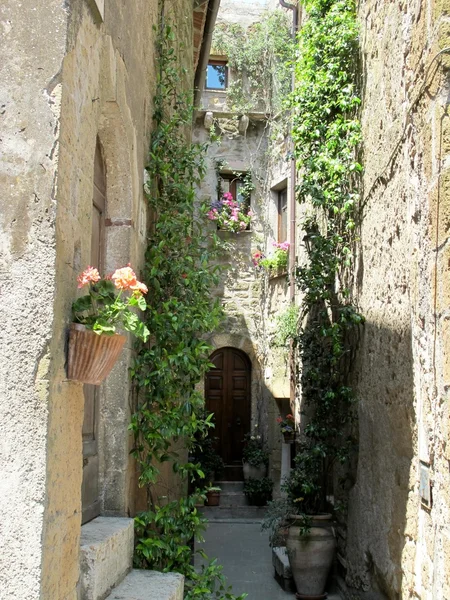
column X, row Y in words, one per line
column 238, row 421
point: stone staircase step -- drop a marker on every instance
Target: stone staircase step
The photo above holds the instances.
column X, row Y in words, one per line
column 106, row 555
column 230, row 486
column 213, row 513
column 233, row 499
column 149, row 585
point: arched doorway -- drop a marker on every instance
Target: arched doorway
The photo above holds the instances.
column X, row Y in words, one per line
column 228, row 396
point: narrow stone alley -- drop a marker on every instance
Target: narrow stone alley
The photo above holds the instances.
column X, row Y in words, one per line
column 234, row 537
column 243, row 549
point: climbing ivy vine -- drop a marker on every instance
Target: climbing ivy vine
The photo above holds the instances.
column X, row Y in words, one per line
column 326, row 134
column 258, row 58
column 179, row 273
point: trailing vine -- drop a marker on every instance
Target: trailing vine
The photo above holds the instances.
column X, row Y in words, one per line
column 258, row 60
column 179, row 274
column 326, row 134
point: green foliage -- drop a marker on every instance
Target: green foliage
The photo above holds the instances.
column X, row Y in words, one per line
column 279, row 260
column 326, row 133
column 179, row 273
column 258, row 491
column 104, row 309
column 287, row 325
column 259, row 61
column 205, row 455
column 164, row 537
column 255, row 452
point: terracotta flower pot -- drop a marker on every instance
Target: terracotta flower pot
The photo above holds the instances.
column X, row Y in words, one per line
column 213, row 498
column 92, row 356
column 311, row 556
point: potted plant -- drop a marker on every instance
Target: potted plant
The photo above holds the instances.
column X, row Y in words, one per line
column 211, row 465
column 229, row 214
column 255, row 457
column 258, row 491
column 278, row 262
column 310, row 540
column 287, row 426
column 94, row 344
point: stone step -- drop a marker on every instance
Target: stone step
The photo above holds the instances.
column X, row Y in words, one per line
column 218, row 513
column 230, row 486
column 106, row 555
column 233, row 499
column 149, row 585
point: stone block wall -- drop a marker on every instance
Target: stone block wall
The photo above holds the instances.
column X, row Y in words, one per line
column 397, row 542
column 69, row 77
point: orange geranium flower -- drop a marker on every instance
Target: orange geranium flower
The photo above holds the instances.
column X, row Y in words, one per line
column 89, row 275
column 124, row 279
column 139, row 288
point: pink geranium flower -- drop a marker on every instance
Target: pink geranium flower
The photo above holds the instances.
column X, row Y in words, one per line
column 124, row 278
column 89, row 275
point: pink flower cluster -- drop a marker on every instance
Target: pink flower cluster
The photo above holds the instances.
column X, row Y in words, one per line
column 229, row 215
column 281, row 245
column 257, row 257
column 124, row 279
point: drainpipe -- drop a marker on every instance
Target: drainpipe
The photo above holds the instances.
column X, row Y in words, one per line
column 292, row 244
column 200, row 74
column 292, row 211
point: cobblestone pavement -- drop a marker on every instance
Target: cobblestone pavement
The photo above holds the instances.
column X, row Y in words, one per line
column 244, row 551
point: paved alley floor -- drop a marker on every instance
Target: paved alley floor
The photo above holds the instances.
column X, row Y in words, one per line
column 244, row 552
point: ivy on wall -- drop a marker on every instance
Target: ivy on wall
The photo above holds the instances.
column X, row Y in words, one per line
column 179, row 272
column 326, row 134
column 258, row 58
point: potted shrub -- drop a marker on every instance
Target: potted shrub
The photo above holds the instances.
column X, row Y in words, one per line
column 258, row 491
column 287, row 426
column 94, row 344
column 211, row 465
column 310, row 540
column 255, row 457
column 229, row 214
column 277, row 263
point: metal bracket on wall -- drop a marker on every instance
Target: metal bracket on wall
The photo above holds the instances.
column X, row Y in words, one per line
column 425, row 485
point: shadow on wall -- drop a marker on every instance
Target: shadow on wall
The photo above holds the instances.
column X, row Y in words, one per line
column 377, row 527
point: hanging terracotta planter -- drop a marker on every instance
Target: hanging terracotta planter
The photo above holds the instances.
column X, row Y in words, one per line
column 92, row 356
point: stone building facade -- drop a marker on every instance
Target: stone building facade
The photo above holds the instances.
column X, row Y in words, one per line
column 398, row 538
column 78, row 80
column 251, row 297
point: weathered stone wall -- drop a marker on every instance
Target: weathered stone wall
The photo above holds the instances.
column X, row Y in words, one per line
column 398, row 545
column 68, row 77
column 32, row 51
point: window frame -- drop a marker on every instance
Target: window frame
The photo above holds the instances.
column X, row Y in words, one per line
column 282, row 203
column 233, row 178
column 217, row 62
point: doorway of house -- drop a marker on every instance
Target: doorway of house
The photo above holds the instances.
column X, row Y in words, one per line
column 228, row 396
column 90, row 487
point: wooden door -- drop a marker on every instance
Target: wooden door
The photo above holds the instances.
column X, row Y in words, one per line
column 228, row 395
column 90, row 487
